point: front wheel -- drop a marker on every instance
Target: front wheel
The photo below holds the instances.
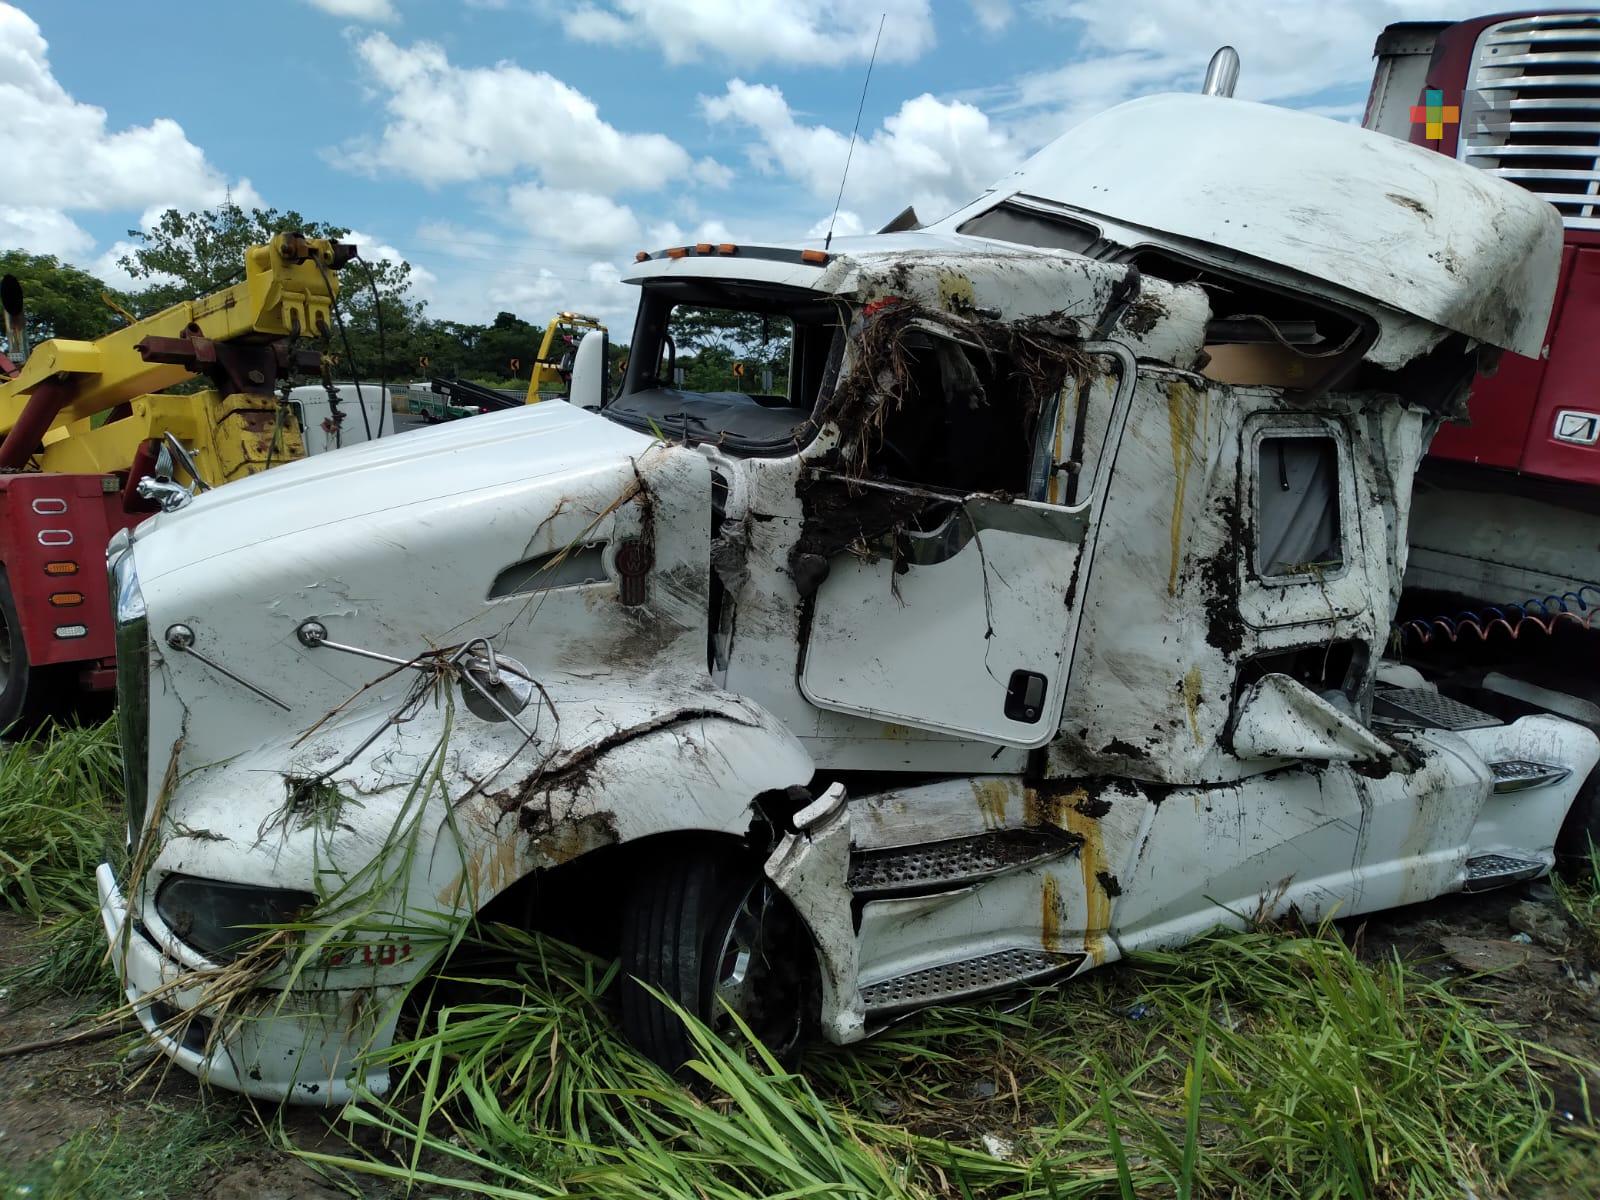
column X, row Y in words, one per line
column 711, row 933
column 27, row 692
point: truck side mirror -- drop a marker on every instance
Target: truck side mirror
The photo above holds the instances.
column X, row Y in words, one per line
column 588, row 386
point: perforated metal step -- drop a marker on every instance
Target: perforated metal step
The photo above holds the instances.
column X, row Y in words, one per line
column 1487, row 871
column 1424, row 708
column 971, row 977
column 958, row 861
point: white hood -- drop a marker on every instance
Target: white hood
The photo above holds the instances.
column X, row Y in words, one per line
column 421, row 468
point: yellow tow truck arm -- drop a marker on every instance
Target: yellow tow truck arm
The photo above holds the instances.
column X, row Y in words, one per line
column 240, row 337
column 546, row 368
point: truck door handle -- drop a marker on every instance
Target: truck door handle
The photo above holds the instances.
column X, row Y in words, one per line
column 1025, row 697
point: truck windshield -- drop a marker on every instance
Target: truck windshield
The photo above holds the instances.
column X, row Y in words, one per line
column 738, row 365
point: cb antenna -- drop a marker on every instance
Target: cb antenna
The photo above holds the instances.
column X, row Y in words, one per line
column 849, row 154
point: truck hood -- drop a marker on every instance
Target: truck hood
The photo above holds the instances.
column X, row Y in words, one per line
column 422, row 468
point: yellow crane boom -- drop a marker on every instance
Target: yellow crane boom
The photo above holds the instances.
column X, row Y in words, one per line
column 240, row 337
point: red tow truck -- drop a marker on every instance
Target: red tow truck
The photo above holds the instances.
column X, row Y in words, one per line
column 90, row 443
column 1503, row 584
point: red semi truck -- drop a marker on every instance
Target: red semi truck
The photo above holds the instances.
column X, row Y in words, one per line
column 1503, row 583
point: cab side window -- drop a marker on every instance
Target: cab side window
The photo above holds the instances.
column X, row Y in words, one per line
column 1298, row 529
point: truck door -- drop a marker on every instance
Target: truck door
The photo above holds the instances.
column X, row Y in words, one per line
column 948, row 598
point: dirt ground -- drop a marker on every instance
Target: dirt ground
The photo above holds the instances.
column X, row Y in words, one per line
column 48, row 1097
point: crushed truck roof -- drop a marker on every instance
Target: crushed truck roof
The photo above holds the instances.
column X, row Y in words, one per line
column 1375, row 218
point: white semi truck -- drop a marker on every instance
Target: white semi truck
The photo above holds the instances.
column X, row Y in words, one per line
column 1040, row 620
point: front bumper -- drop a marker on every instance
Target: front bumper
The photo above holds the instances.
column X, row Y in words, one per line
column 305, row 1050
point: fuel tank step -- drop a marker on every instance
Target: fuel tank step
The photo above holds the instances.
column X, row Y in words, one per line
column 1487, row 871
column 969, row 977
column 957, row 861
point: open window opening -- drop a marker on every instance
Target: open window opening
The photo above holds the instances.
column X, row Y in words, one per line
column 738, row 365
column 1336, row 671
column 1026, row 224
column 1260, row 336
column 959, row 421
column 1298, row 526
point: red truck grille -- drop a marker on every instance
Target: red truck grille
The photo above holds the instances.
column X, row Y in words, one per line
column 1531, row 110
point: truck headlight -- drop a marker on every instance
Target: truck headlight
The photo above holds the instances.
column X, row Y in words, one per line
column 133, row 679
column 220, row 919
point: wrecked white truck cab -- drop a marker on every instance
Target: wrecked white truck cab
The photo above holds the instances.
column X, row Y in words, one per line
column 1034, row 614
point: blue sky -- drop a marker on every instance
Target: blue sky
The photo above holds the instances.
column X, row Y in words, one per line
column 518, row 151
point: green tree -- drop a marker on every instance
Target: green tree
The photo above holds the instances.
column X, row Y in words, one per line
column 60, row 300
column 710, row 340
column 508, row 338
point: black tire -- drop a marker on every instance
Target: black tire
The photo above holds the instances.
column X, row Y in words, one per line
column 676, row 935
column 28, row 694
column 1580, row 830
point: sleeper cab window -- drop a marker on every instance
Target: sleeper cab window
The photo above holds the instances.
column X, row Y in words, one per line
column 1298, row 529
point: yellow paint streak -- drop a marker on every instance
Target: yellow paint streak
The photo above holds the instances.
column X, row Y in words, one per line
column 1049, row 808
column 992, row 795
column 1050, row 915
column 955, row 290
column 1053, row 481
column 1096, row 904
column 1182, row 425
column 485, row 873
column 1191, row 701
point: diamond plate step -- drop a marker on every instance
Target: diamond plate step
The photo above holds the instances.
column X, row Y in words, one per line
column 970, row 977
column 957, row 861
column 1486, row 871
column 1424, row 708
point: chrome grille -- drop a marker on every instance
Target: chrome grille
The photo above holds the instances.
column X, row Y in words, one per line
column 1531, row 110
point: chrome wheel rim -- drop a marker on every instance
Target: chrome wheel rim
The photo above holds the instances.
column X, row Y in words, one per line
column 755, row 973
column 735, row 958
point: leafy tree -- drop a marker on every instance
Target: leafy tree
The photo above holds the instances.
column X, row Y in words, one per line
column 710, row 340
column 60, row 300
column 509, row 338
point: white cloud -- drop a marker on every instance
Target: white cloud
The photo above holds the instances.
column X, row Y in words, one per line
column 374, row 249
column 932, row 153
column 43, row 231
column 847, row 224
column 357, row 10
column 449, row 124
column 993, row 15
column 750, row 32
column 1131, row 48
column 573, row 220
column 67, row 158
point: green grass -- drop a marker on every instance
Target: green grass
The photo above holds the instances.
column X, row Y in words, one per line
column 1258, row 1065
column 1580, row 901
column 60, row 814
column 1245, row 1065
column 166, row 1155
